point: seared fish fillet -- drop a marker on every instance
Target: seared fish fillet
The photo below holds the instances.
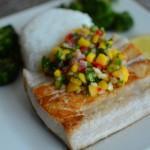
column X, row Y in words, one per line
column 77, row 119
column 81, row 120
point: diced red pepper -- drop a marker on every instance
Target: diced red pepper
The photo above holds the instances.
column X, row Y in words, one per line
column 82, row 69
column 104, row 68
column 101, row 91
column 84, row 59
column 95, row 64
column 83, row 48
column 99, row 32
column 69, row 38
column 110, row 74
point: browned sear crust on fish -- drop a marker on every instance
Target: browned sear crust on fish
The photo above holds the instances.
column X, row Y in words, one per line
column 67, row 108
column 131, row 52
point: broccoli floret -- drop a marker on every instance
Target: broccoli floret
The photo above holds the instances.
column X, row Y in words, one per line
column 76, row 6
column 122, row 22
column 103, row 14
column 8, row 41
column 102, row 22
column 100, row 11
column 97, row 8
column 10, row 56
column 9, row 70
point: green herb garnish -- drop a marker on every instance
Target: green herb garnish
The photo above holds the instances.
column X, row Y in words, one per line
column 90, row 75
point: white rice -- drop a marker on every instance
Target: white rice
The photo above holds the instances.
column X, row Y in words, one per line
column 46, row 31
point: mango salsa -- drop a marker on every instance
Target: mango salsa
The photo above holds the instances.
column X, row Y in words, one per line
column 86, row 62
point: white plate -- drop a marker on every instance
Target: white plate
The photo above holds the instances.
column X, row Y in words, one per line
column 21, row 129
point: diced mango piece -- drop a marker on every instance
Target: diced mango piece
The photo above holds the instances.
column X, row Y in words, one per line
column 84, row 42
column 102, row 45
column 125, row 73
column 74, row 68
column 84, row 31
column 117, row 73
column 57, row 73
column 112, row 53
column 93, row 90
column 122, row 73
column 75, row 81
column 66, row 51
column 73, row 87
column 90, row 57
column 103, row 85
column 95, row 38
column 82, row 77
column 102, row 59
column 122, row 56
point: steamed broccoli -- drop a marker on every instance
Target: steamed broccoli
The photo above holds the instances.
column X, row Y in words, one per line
column 103, row 14
column 122, row 22
column 9, row 70
column 8, row 41
column 10, row 57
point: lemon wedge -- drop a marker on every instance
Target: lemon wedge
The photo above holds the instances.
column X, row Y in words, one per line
column 143, row 43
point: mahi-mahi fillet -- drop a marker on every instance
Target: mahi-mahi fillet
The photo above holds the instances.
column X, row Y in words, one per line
column 81, row 120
